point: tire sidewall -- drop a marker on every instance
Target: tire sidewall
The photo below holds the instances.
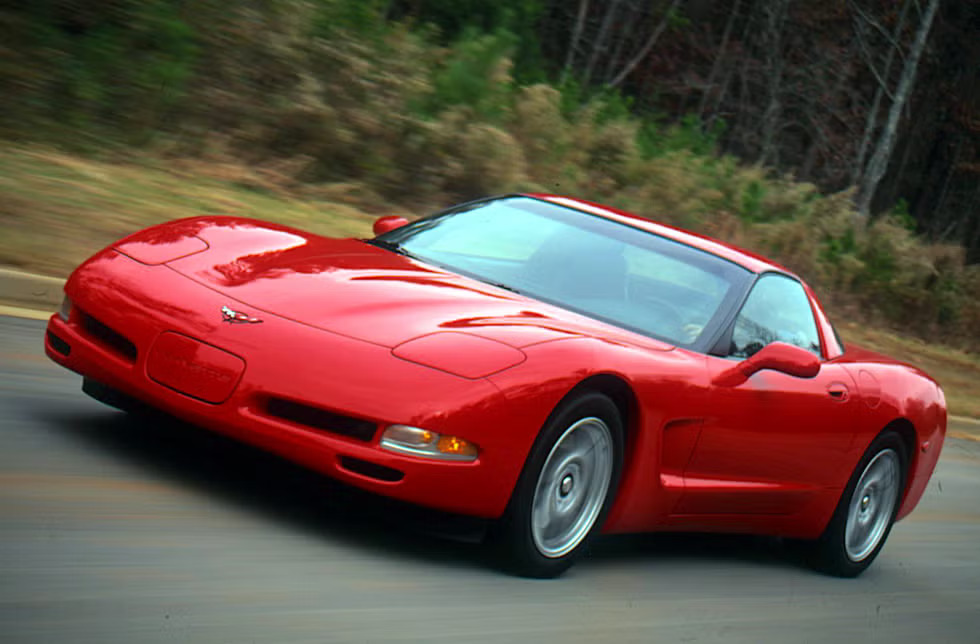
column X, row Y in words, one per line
column 513, row 532
column 830, row 554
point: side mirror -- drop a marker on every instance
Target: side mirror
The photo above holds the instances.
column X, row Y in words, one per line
column 778, row 356
column 389, row 223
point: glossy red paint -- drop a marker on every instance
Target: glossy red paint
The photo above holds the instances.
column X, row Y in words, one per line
column 389, row 223
column 370, row 335
column 777, row 356
column 193, row 368
column 461, row 354
column 160, row 252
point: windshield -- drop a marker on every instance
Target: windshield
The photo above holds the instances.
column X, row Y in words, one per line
column 583, row 262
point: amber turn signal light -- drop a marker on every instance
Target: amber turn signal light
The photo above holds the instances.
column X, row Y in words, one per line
column 422, row 442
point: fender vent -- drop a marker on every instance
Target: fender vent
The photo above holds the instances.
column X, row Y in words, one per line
column 321, row 419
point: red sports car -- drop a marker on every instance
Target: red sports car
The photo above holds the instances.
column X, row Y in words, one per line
column 559, row 367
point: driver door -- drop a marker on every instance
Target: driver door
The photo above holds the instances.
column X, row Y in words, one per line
column 771, row 443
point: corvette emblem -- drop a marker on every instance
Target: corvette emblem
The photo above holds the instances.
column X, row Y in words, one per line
column 237, row 317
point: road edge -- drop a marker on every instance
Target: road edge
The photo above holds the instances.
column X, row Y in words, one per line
column 963, row 427
column 24, row 294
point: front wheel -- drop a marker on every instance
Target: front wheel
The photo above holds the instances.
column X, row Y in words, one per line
column 866, row 512
column 565, row 490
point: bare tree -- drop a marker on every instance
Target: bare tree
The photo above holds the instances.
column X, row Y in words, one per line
column 623, row 38
column 583, row 12
column 775, row 16
column 886, row 141
column 648, row 45
column 716, row 65
column 861, row 24
column 599, row 45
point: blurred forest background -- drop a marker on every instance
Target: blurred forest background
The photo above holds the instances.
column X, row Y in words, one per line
column 840, row 137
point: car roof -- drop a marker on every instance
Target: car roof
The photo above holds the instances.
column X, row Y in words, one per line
column 746, row 259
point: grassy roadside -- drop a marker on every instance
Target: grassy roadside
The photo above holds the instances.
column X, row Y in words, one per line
column 956, row 371
column 57, row 209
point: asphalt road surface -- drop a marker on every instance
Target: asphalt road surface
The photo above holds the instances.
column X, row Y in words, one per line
column 119, row 530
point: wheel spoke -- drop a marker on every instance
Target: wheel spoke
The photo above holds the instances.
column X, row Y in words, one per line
column 572, row 487
column 872, row 505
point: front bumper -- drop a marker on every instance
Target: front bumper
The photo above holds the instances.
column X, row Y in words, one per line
column 288, row 361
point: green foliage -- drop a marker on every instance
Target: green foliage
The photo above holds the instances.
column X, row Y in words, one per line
column 677, row 20
column 901, row 215
column 415, row 103
column 455, row 20
column 612, row 105
column 689, row 134
column 364, row 18
column 124, row 65
column 455, row 17
column 477, row 74
column 751, row 209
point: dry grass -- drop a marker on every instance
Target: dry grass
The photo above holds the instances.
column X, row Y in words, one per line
column 56, row 209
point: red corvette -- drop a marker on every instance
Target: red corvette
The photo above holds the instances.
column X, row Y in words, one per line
column 557, row 366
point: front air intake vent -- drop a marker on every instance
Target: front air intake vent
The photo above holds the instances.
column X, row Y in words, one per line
column 58, row 344
column 371, row 470
column 108, row 337
column 321, row 419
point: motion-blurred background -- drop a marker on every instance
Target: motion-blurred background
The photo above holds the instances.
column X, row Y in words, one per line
column 839, row 137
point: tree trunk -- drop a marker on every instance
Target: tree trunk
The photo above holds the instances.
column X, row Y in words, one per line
column 871, row 121
column 883, row 150
column 622, row 38
column 647, row 47
column 716, row 66
column 599, row 46
column 772, row 116
column 738, row 140
column 583, row 10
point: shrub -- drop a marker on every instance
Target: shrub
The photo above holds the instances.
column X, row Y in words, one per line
column 329, row 98
column 476, row 74
column 542, row 131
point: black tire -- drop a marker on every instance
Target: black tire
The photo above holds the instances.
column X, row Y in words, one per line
column 523, row 549
column 830, row 553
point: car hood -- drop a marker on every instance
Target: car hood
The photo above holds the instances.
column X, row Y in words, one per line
column 350, row 287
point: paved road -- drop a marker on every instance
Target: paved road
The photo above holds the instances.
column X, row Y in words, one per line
column 112, row 530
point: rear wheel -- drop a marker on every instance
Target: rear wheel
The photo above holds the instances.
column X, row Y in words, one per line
column 565, row 490
column 866, row 512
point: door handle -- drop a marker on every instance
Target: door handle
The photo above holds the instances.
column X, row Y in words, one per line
column 838, row 391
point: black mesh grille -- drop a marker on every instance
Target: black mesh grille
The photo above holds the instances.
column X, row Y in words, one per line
column 321, row 419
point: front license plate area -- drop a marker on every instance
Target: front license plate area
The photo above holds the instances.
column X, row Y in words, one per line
column 194, row 368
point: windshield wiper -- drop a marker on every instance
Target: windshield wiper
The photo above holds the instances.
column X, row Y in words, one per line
column 394, row 247
column 506, row 287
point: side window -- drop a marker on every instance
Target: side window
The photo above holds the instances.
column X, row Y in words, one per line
column 777, row 309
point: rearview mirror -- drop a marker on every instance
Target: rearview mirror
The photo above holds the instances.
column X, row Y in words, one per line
column 388, row 223
column 778, row 356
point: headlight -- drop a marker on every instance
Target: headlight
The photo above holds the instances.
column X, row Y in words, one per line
column 65, row 311
column 421, row 442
